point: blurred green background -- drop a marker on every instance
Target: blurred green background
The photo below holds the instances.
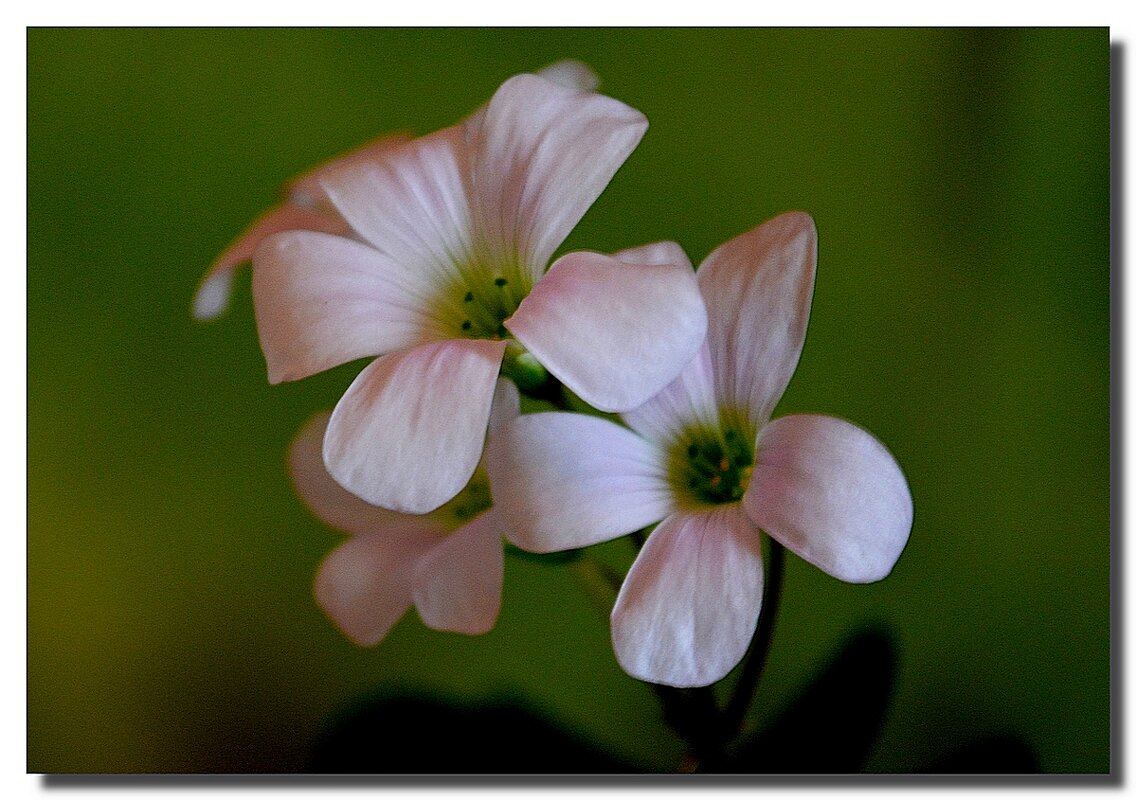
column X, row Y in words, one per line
column 960, row 184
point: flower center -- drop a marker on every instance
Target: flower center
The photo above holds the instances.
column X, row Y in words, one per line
column 484, row 304
column 709, row 466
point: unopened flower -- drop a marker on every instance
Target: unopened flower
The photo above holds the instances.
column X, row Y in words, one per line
column 447, row 564
column 452, row 234
column 704, row 458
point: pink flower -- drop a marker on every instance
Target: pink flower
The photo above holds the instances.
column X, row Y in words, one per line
column 704, row 458
column 448, row 564
column 306, row 207
column 447, row 267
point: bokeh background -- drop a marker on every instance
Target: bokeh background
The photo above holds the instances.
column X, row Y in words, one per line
column 960, row 184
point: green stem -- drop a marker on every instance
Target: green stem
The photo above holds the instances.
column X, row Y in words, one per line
column 599, row 582
column 755, row 659
column 693, row 713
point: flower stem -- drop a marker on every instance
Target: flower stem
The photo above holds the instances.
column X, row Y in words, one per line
column 695, row 717
column 598, row 581
column 755, row 659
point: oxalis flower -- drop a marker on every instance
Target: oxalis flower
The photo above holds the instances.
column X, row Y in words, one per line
column 306, row 207
column 446, row 271
column 447, row 564
column 704, row 458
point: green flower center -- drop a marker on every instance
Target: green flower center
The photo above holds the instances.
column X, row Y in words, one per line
column 708, row 466
column 480, row 304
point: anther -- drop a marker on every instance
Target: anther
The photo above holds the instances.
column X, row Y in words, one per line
column 714, row 481
column 500, row 282
column 724, row 463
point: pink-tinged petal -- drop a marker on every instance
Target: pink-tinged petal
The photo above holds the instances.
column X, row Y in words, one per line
column 306, row 209
column 687, row 401
column 656, row 253
column 412, row 203
column 305, row 189
column 571, row 73
column 831, row 493
column 506, row 404
column 365, row 585
column 615, row 333
column 212, row 297
column 409, row 431
column 326, row 499
column 565, row 481
column 505, row 408
column 457, row 585
column 758, row 288
column 322, row 300
column 541, row 157
column 568, row 73
column 690, row 603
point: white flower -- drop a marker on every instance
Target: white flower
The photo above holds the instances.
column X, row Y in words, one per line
column 704, row 458
column 448, row 564
column 453, row 234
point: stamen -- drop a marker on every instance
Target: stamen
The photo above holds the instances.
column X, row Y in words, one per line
column 483, row 301
column 712, row 466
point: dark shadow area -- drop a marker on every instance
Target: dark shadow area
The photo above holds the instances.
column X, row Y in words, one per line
column 832, row 725
column 421, row 735
column 1003, row 753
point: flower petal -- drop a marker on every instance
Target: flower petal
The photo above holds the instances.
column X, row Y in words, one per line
column 758, row 288
column 656, row 253
column 457, row 585
column 831, row 493
column 323, row 496
column 569, row 73
column 542, row 155
column 322, row 300
column 306, row 209
column 410, row 429
column 305, row 189
column 364, row 585
column 687, row 401
column 506, row 404
column 690, row 602
column 647, row 321
column 212, row 297
column 412, row 203
column 568, row 480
